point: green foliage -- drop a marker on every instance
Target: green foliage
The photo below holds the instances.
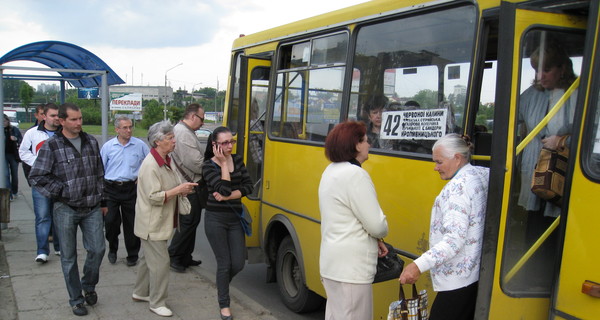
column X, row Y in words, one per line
column 175, row 114
column 428, row 99
column 153, row 113
column 26, row 94
column 11, row 90
column 485, row 112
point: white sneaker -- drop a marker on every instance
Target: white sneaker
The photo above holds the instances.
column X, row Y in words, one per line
column 162, row 311
column 135, row 297
column 57, row 253
column 42, row 258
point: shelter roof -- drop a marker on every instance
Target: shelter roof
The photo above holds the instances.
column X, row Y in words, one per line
column 62, row 55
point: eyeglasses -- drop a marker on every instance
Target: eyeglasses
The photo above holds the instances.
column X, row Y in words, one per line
column 224, row 143
column 199, row 117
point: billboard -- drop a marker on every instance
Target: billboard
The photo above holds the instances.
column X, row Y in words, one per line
column 126, row 101
column 88, row 93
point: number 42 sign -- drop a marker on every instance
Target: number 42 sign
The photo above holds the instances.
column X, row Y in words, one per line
column 427, row 124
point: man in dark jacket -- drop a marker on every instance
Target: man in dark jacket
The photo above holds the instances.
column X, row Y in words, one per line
column 69, row 170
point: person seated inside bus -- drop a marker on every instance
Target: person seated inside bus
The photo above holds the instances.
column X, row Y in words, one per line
column 553, row 75
column 373, row 110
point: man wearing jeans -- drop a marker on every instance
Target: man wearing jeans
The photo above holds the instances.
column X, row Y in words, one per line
column 69, row 170
column 33, row 140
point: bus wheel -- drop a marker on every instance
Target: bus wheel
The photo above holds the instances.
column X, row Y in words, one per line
column 290, row 281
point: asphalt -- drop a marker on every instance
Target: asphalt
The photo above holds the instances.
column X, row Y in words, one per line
column 29, row 290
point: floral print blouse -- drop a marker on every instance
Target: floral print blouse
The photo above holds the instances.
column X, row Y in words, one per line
column 456, row 230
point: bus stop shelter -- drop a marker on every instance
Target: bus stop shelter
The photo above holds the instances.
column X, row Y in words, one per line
column 75, row 65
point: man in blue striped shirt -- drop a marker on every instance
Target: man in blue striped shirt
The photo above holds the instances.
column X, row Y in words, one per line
column 122, row 157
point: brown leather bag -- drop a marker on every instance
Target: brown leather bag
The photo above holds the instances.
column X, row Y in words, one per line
column 548, row 181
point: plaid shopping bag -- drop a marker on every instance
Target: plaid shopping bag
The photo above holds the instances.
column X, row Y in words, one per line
column 414, row 308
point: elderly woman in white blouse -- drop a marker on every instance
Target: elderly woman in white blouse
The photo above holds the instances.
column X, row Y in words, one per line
column 456, row 231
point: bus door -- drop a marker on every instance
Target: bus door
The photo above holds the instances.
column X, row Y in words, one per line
column 537, row 88
column 577, row 292
column 254, row 85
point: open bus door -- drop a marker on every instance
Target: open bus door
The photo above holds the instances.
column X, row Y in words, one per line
column 577, row 291
column 523, row 237
column 250, row 120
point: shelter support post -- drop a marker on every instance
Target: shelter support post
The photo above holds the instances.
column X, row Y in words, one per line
column 104, row 106
column 2, row 138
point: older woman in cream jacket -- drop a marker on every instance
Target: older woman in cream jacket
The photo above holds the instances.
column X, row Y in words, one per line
column 160, row 197
column 351, row 224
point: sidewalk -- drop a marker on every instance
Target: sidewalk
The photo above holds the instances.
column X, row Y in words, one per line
column 29, row 290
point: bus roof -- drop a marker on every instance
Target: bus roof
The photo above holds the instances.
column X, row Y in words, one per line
column 341, row 17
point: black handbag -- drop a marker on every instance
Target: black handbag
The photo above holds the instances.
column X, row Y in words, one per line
column 390, row 266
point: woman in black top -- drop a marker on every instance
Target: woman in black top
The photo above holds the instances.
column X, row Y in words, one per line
column 228, row 181
column 12, row 141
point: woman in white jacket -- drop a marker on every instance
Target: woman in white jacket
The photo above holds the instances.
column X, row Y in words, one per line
column 351, row 224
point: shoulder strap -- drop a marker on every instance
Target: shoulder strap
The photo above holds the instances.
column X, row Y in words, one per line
column 185, row 175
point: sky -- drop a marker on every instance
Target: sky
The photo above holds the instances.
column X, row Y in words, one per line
column 142, row 40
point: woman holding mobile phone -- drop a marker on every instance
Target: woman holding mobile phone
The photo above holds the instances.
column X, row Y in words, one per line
column 228, row 181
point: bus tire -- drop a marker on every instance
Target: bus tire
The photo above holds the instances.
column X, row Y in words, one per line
column 290, row 280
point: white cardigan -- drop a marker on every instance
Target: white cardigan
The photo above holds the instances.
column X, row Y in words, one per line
column 351, row 223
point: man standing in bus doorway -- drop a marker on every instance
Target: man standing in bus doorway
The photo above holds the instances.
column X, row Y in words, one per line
column 69, row 170
column 188, row 157
column 33, row 140
column 122, row 157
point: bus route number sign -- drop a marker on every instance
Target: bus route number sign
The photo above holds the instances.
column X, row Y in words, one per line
column 427, row 124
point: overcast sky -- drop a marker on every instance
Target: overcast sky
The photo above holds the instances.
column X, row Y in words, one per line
column 141, row 39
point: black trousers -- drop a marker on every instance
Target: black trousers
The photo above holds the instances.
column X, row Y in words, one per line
column 456, row 304
column 183, row 242
column 228, row 242
column 121, row 209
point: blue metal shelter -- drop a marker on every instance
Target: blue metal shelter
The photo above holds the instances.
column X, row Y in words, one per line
column 63, row 55
column 74, row 64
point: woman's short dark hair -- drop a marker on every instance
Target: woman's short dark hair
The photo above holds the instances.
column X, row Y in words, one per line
column 340, row 144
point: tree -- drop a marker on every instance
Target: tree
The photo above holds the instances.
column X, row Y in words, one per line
column 153, row 113
column 26, row 94
column 428, row 99
column 11, row 89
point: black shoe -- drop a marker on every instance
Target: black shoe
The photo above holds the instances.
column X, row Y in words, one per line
column 91, row 298
column 112, row 257
column 80, row 310
column 195, row 263
column 131, row 263
column 177, row 267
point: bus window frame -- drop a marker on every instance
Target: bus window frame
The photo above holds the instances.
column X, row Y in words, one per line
column 278, row 70
column 469, row 110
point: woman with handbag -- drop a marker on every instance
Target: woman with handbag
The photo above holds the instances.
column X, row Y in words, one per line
column 553, row 76
column 228, row 181
column 351, row 224
column 160, row 198
column 456, row 231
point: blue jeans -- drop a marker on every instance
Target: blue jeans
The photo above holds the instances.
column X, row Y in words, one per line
column 42, row 207
column 66, row 221
column 12, row 173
